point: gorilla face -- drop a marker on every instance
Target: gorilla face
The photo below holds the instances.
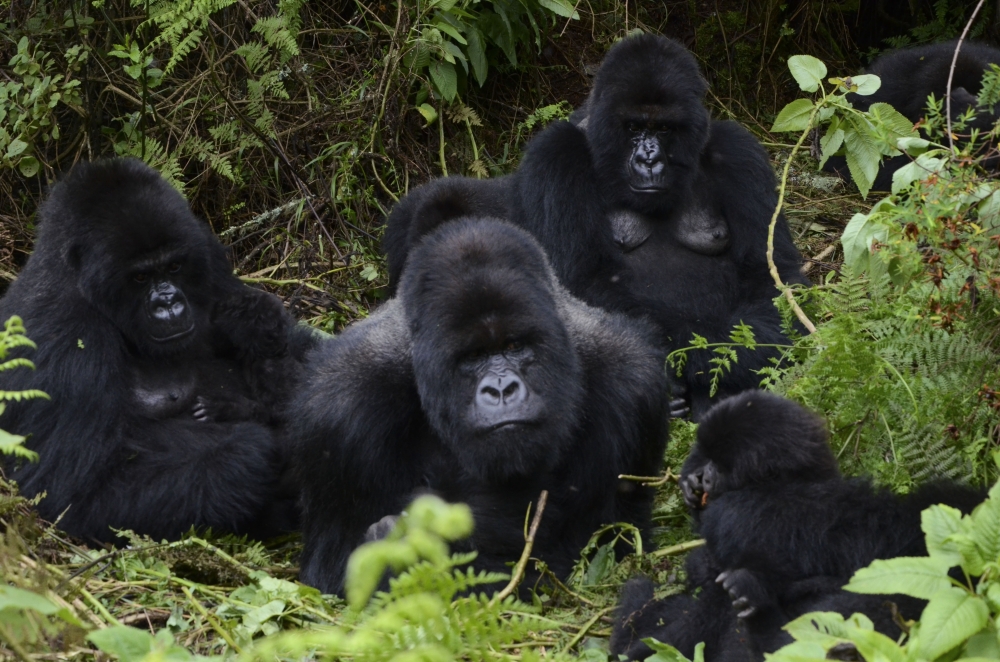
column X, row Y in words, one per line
column 142, row 260
column 496, row 372
column 753, row 438
column 647, row 126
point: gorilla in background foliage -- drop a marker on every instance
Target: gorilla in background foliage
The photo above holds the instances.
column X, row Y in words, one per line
column 484, row 382
column 652, row 209
column 167, row 375
column 909, row 76
column 784, row 532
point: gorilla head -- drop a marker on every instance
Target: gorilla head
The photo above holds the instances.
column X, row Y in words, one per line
column 755, row 437
column 497, row 373
column 647, row 126
column 135, row 251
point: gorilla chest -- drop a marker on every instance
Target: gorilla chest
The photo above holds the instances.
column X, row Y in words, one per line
column 664, row 270
column 162, row 390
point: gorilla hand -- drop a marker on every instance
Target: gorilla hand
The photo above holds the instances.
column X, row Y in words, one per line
column 381, row 529
column 747, row 590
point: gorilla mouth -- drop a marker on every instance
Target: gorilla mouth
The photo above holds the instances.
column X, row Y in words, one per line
column 649, row 188
column 174, row 336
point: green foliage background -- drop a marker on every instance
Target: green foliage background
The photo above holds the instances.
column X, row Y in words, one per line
column 292, row 126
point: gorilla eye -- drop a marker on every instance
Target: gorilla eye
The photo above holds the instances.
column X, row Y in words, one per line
column 174, row 267
column 633, row 126
column 513, row 345
column 140, row 278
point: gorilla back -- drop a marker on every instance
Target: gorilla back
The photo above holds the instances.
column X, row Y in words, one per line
column 166, row 374
column 485, row 382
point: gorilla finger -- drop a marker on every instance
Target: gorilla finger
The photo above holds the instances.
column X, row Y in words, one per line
column 721, row 579
column 747, row 613
column 740, row 602
column 679, row 408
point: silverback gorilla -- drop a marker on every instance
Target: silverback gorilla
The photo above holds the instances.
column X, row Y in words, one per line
column 484, row 382
column 784, row 532
column 167, row 375
column 651, row 209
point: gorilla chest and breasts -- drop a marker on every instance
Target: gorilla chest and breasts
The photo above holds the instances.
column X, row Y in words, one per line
column 166, row 375
column 485, row 382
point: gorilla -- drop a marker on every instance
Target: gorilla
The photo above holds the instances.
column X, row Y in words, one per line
column 784, row 532
column 909, row 76
column 484, row 382
column 651, row 209
column 167, row 376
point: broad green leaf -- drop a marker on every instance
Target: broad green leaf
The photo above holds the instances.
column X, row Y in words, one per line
column 912, row 145
column 443, row 26
column 15, row 148
column 601, row 566
column 826, row 626
column 477, row 56
column 125, row 643
column 867, row 84
column 807, row 71
column 560, row 7
column 445, row 79
column 985, row 530
column 876, row 646
column 863, row 158
column 12, row 597
column 830, row 143
column 429, row 113
column 800, row 651
column 28, row 165
column 983, row 645
column 938, row 522
column 794, row 116
column 663, row 652
column 952, row 616
column 972, row 557
column 443, row 5
column 918, row 169
column 857, row 240
column 916, row 576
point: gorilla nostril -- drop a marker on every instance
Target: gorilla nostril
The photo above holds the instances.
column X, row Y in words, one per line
column 489, row 396
column 512, row 392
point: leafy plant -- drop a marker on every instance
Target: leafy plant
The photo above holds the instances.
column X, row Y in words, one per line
column 960, row 619
column 28, row 101
column 13, row 336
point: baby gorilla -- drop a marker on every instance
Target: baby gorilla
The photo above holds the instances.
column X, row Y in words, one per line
column 783, row 530
column 485, row 382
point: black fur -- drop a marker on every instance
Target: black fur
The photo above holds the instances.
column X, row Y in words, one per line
column 702, row 268
column 785, row 527
column 385, row 412
column 909, row 76
column 151, row 435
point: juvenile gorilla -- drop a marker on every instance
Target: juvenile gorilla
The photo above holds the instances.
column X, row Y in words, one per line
column 784, row 531
column 910, row 75
column 651, row 209
column 484, row 382
column 167, row 375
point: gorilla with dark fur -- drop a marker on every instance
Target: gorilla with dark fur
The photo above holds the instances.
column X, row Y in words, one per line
column 167, row 375
column 651, row 209
column 784, row 532
column 484, row 382
column 910, row 75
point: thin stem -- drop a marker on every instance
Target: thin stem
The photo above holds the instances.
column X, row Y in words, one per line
column 951, row 71
column 678, row 549
column 772, row 267
column 529, row 542
column 440, row 120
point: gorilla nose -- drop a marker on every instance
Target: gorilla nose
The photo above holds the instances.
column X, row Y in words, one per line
column 168, row 310
column 499, row 391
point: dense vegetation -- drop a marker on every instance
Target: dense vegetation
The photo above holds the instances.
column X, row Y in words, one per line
column 293, row 126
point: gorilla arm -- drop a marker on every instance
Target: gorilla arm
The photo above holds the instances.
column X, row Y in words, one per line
column 557, row 198
column 356, row 420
